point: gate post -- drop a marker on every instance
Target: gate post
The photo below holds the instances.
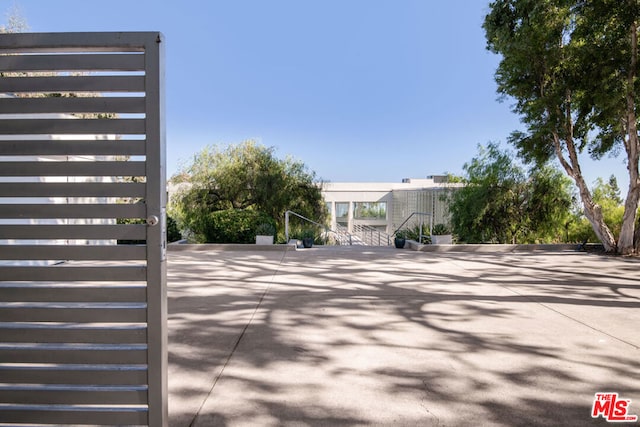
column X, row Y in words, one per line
column 156, row 233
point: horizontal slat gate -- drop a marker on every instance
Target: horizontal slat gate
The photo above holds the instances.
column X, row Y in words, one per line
column 82, row 230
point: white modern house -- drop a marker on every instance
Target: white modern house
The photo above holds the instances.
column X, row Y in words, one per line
column 385, row 206
column 370, row 212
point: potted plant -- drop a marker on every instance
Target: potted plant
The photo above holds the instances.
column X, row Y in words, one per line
column 264, row 233
column 307, row 238
column 400, row 239
column 441, row 235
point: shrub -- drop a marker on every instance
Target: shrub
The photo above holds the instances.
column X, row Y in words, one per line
column 173, row 234
column 229, row 226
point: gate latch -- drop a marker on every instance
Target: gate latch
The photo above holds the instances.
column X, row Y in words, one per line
column 152, row 220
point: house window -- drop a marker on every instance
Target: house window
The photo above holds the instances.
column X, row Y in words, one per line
column 342, row 214
column 370, row 210
column 342, row 210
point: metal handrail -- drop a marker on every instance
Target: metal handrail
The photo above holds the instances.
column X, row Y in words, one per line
column 366, row 231
column 326, row 229
column 422, row 214
column 341, row 230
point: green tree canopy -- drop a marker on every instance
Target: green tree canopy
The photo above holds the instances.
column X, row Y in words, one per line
column 572, row 68
column 500, row 203
column 240, row 177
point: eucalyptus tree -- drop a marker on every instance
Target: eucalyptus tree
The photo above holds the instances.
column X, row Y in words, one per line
column 572, row 68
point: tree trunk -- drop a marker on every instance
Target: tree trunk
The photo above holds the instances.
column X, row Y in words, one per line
column 592, row 210
column 626, row 243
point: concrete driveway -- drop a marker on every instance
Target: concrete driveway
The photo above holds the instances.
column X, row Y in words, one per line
column 353, row 336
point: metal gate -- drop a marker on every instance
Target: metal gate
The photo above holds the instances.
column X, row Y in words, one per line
column 82, row 170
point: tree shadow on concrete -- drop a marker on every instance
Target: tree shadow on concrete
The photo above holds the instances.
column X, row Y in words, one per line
column 390, row 338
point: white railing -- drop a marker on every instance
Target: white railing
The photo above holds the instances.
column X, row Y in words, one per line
column 340, row 237
column 371, row 236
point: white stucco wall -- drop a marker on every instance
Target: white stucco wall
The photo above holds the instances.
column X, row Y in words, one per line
column 392, row 193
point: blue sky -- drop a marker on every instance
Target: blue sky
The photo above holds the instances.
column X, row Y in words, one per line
column 360, row 90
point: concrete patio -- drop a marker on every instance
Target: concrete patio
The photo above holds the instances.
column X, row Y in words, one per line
column 353, row 336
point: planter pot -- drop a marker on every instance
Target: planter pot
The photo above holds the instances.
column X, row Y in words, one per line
column 399, row 242
column 307, row 242
column 442, row 239
column 264, row 240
